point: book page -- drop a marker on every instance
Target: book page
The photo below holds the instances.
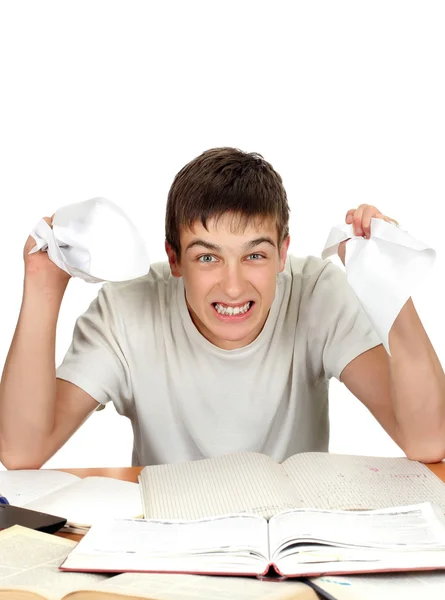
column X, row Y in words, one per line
column 406, row 528
column 29, row 560
column 337, row 481
column 320, row 560
column 22, row 487
column 223, row 544
column 193, row 587
column 235, row 483
column 384, row 586
column 92, row 500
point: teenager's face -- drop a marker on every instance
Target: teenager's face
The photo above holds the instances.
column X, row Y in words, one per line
column 229, row 278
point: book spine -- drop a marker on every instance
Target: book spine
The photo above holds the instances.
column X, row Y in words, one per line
column 271, row 573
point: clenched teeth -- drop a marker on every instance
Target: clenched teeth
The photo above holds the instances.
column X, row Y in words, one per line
column 229, row 310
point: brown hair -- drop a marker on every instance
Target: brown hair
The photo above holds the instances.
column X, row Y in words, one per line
column 223, row 180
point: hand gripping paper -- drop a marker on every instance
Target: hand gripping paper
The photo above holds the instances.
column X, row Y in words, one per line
column 383, row 271
column 93, row 240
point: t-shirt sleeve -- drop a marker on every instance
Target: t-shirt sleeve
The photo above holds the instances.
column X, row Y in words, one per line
column 95, row 361
column 339, row 323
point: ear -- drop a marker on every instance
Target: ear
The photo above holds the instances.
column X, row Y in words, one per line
column 283, row 252
column 173, row 261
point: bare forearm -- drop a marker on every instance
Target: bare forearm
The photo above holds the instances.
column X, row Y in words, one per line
column 417, row 384
column 28, row 385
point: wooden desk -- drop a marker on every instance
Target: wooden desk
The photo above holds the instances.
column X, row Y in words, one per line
column 131, row 474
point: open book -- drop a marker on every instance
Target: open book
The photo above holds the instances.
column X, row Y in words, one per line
column 255, row 483
column 29, row 562
column 301, row 542
column 81, row 501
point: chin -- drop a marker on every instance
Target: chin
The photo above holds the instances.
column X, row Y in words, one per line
column 233, row 334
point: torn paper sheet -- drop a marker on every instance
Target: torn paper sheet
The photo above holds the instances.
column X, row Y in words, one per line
column 383, row 271
column 93, row 240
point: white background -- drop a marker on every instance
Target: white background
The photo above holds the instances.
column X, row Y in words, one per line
column 106, row 98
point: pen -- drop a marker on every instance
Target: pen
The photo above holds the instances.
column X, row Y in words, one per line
column 3, row 500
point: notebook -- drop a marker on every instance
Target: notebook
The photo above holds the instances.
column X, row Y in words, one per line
column 81, row 501
column 253, row 482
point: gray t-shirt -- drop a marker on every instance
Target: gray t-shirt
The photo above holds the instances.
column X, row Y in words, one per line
column 187, row 399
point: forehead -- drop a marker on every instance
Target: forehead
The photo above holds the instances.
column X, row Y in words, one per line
column 230, row 226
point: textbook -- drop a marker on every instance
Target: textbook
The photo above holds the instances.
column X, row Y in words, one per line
column 29, row 562
column 81, row 501
column 295, row 543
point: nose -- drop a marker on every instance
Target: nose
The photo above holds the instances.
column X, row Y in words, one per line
column 232, row 281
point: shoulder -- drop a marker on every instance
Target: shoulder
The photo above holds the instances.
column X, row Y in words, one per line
column 321, row 289
column 159, row 273
column 157, row 285
column 311, row 272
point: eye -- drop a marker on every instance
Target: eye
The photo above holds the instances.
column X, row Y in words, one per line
column 206, row 258
column 255, row 256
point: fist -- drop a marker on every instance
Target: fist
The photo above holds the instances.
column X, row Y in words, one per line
column 360, row 219
column 39, row 263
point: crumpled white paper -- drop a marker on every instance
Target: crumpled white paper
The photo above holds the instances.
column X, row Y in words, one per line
column 93, row 240
column 383, row 271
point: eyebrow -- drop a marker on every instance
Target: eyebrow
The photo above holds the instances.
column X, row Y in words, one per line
column 247, row 246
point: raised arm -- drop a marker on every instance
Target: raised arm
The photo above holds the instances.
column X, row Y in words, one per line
column 404, row 391
column 38, row 413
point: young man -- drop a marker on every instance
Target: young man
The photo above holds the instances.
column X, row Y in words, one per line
column 229, row 346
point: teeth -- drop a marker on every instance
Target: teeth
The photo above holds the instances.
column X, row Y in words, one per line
column 229, row 310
